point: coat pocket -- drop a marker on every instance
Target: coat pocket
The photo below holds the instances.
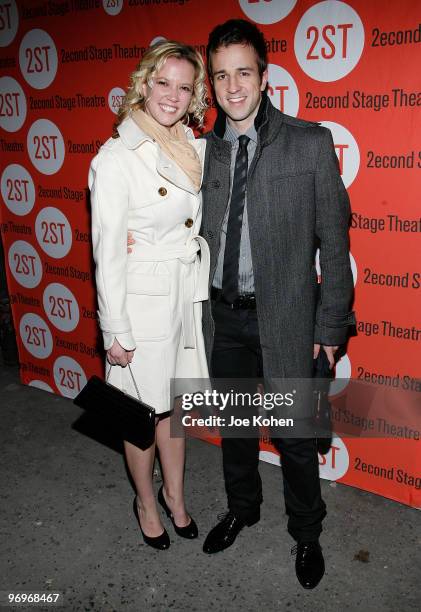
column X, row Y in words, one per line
column 148, row 305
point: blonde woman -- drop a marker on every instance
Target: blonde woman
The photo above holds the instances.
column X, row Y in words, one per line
column 146, row 180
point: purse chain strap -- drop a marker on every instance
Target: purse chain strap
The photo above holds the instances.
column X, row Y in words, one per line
column 133, row 379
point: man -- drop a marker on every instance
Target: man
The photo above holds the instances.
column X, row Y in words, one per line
column 272, row 193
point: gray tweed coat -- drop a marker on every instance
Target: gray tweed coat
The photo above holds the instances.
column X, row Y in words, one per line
column 296, row 201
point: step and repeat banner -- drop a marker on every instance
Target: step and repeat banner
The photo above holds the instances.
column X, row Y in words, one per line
column 353, row 66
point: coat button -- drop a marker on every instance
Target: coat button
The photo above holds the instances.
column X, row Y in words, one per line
column 162, row 191
column 188, row 222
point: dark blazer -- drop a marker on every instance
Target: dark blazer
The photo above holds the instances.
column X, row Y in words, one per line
column 296, row 201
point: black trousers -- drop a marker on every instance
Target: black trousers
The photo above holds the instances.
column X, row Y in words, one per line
column 237, row 354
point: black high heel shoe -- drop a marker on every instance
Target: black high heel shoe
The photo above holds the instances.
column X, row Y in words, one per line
column 190, row 531
column 161, row 542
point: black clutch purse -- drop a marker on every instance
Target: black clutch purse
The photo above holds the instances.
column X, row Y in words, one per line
column 130, row 417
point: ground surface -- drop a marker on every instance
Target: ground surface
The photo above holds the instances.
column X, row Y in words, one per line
column 67, row 526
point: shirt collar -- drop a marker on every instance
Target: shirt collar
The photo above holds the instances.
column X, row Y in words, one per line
column 232, row 135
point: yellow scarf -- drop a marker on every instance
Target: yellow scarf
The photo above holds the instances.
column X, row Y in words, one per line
column 174, row 143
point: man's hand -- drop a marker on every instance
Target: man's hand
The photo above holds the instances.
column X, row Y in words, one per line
column 117, row 355
column 330, row 353
column 130, row 241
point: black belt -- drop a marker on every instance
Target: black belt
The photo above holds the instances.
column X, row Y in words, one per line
column 243, row 302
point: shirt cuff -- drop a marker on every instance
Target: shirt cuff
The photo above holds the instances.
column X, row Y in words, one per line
column 125, row 340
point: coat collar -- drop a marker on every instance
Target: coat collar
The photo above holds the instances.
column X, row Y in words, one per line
column 171, row 171
column 268, row 122
column 132, row 137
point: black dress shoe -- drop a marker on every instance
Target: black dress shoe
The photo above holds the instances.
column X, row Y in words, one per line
column 161, row 542
column 190, row 531
column 225, row 532
column 309, row 563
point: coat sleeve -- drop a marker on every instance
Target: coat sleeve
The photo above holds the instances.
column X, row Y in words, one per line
column 333, row 314
column 109, row 201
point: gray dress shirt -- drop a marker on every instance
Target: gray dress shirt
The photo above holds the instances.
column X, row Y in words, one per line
column 245, row 268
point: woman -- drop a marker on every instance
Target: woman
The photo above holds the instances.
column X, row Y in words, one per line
column 146, row 180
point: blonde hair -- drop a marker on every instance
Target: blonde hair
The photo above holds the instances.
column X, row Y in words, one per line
column 150, row 64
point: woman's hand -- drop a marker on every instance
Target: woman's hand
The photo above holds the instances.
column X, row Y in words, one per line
column 117, row 355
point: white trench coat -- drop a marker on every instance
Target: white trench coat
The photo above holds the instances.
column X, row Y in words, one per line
column 149, row 300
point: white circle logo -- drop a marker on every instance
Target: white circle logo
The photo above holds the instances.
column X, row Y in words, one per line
column 329, row 40
column 352, row 262
column 38, row 59
column 112, row 7
column 335, row 463
column 61, row 307
column 12, row 104
column 40, row 384
column 35, row 335
column 157, row 39
column 45, row 146
column 25, row 264
column 68, row 376
column 17, row 189
column 115, row 99
column 347, row 150
column 53, row 232
column 282, row 90
column 269, row 457
column 9, row 21
column 267, row 11
column 342, row 376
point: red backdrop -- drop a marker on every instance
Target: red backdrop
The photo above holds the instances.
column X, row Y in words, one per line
column 350, row 65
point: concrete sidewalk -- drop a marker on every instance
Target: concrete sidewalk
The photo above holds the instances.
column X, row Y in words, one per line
column 67, row 526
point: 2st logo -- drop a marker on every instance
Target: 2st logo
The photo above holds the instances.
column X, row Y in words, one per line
column 267, row 11
column 330, row 35
column 115, row 99
column 68, row 376
column 40, row 384
column 347, row 151
column 329, row 40
column 112, row 7
column 53, row 232
column 282, row 90
column 12, row 105
column 335, row 463
column 45, row 146
column 35, row 335
column 38, row 59
column 61, row 307
column 9, row 21
column 25, row 264
column 17, row 189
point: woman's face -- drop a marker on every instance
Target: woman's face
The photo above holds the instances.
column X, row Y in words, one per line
column 171, row 91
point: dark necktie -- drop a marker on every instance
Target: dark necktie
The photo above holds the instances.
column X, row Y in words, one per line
column 235, row 221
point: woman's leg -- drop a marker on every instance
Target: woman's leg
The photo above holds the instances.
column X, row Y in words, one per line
column 172, row 454
column 140, row 464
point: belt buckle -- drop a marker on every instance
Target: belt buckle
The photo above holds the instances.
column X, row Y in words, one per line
column 247, row 301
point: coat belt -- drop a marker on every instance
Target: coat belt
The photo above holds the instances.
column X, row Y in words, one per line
column 191, row 291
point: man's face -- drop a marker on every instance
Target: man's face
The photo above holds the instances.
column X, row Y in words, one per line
column 237, row 84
